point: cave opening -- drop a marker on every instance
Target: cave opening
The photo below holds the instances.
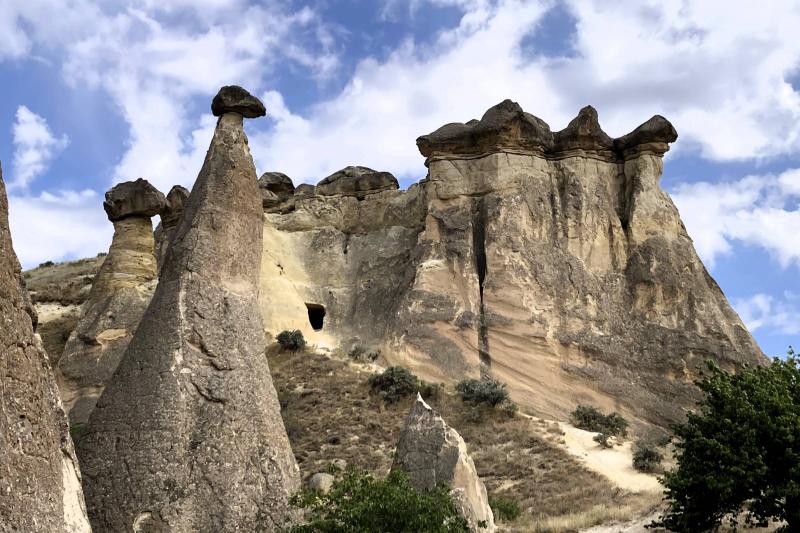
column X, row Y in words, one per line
column 316, row 315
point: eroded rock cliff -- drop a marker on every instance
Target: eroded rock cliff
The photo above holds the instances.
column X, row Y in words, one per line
column 40, row 488
column 188, row 436
column 550, row 260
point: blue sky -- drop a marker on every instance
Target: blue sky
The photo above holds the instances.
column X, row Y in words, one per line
column 99, row 92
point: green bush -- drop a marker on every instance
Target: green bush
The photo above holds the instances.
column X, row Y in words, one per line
column 291, row 340
column 46, row 264
column 483, row 392
column 359, row 503
column 646, row 458
column 591, row 419
column 505, row 509
column 359, row 353
column 394, row 383
column 77, row 431
column 430, row 391
column 602, row 440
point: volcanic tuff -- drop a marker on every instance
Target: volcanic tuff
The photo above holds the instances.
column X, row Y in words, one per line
column 40, row 488
column 550, row 260
column 170, row 217
column 188, row 435
column 120, row 294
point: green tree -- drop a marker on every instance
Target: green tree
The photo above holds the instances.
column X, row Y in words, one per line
column 359, row 503
column 740, row 452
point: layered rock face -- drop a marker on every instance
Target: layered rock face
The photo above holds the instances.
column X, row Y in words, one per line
column 432, row 453
column 552, row 261
column 170, row 217
column 120, row 294
column 188, row 435
column 40, row 488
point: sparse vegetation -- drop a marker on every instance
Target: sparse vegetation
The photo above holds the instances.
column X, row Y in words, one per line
column 603, row 440
column 77, row 431
column 360, row 503
column 504, row 508
column 591, row 419
column 487, row 391
column 739, row 452
column 291, row 340
column 394, row 383
column 646, row 457
column 46, row 264
column 359, row 353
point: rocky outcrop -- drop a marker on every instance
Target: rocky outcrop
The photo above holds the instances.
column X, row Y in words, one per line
column 277, row 192
column 170, row 217
column 551, row 260
column 188, row 435
column 356, row 181
column 40, row 489
column 433, row 453
column 120, row 294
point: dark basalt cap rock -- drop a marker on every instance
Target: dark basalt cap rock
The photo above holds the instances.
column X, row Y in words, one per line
column 505, row 125
column 655, row 134
column 173, row 210
column 234, row 99
column 276, row 182
column 356, row 181
column 584, row 133
column 133, row 198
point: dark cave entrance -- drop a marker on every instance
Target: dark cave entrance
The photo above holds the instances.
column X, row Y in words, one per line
column 316, row 315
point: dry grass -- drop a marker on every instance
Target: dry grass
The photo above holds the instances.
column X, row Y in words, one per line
column 330, row 414
column 65, row 283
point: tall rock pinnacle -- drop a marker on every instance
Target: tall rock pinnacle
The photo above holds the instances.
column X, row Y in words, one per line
column 120, row 294
column 170, row 218
column 40, row 487
column 188, row 435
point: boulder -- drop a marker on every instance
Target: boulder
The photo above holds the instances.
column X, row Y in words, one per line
column 277, row 192
column 188, row 435
column 431, row 452
column 120, row 293
column 133, row 198
column 234, row 99
column 356, row 181
column 322, row 482
column 40, row 484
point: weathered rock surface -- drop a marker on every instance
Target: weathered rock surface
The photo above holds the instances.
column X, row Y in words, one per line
column 234, row 99
column 40, row 488
column 188, row 435
column 277, row 192
column 433, row 453
column 170, row 217
column 552, row 260
column 356, row 181
column 120, row 293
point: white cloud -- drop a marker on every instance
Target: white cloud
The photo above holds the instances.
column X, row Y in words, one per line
column 717, row 70
column 755, row 210
column 767, row 313
column 35, row 146
column 57, row 226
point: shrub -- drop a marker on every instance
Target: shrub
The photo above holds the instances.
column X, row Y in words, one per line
column 505, row 509
column 591, row 419
column 291, row 340
column 646, row 458
column 46, row 264
column 394, row 383
column 359, row 353
column 738, row 451
column 359, row 503
column 77, row 431
column 430, row 391
column 483, row 392
column 602, row 440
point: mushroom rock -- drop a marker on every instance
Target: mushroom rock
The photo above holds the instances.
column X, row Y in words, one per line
column 234, row 99
column 431, row 452
column 188, row 435
column 170, row 217
column 553, row 261
column 356, row 181
column 119, row 295
column 40, row 484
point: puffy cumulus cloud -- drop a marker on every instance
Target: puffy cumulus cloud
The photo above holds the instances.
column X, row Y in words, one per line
column 718, row 70
column 779, row 315
column 35, row 146
column 759, row 211
column 58, row 226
